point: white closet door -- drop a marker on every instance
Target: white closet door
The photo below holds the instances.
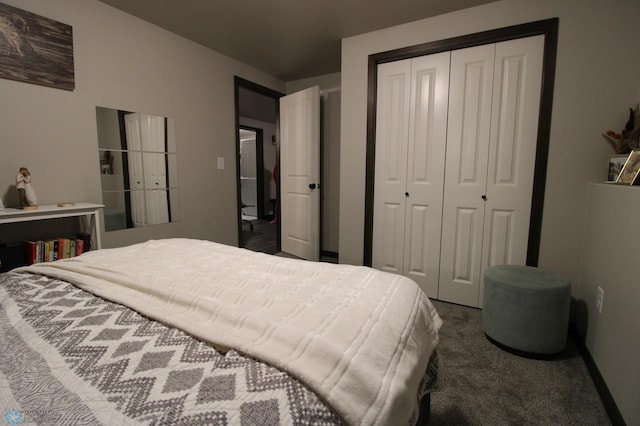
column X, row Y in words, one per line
column 514, row 131
column 138, row 208
column 153, row 133
column 134, row 147
column 466, row 173
column 489, row 177
column 425, row 169
column 393, row 99
column 155, row 170
column 133, row 131
column 157, row 206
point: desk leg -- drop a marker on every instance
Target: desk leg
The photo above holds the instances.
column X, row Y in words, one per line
column 97, row 228
column 91, row 225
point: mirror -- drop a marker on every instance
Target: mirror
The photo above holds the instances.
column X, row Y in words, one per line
column 248, row 176
column 138, row 169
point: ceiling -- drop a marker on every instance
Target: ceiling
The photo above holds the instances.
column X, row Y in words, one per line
column 288, row 39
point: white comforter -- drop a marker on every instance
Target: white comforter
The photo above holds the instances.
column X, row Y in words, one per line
column 358, row 337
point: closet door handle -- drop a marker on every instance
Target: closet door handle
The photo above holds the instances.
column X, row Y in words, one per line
column 484, row 197
column 406, row 194
column 312, row 186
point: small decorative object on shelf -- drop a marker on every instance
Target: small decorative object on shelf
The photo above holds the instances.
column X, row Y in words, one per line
column 629, row 139
column 631, row 169
column 66, row 204
column 26, row 194
column 615, row 165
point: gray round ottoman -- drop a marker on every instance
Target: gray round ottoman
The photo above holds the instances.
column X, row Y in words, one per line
column 526, row 308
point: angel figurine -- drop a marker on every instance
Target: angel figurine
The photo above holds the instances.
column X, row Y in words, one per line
column 26, row 194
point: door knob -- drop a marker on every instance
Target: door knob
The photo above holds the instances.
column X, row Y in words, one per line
column 312, row 186
column 484, row 197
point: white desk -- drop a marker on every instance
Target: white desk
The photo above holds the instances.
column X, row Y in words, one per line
column 52, row 211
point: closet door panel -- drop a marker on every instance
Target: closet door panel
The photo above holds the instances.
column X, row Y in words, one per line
column 394, row 84
column 155, row 170
column 392, row 237
column 425, row 168
column 514, row 131
column 134, row 145
column 152, row 130
column 500, row 237
column 157, row 206
column 468, row 136
column 464, row 257
column 138, row 208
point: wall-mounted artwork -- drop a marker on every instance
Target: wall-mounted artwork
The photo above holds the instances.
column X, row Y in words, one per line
column 35, row 49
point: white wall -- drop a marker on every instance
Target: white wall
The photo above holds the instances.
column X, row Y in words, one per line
column 609, row 259
column 597, row 80
column 124, row 62
column 330, row 152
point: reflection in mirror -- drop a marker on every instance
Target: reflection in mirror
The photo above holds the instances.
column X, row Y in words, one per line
column 138, row 169
column 248, row 175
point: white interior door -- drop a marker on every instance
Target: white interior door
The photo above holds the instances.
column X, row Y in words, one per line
column 425, row 169
column 389, row 204
column 468, row 137
column 146, row 145
column 136, row 171
column 300, row 173
column 491, row 148
column 410, row 146
column 512, row 152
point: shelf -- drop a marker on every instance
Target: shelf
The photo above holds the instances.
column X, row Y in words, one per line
column 53, row 211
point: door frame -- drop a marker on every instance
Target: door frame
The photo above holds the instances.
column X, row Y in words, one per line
column 548, row 28
column 238, row 83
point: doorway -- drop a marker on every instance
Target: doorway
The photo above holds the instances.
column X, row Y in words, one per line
column 257, row 157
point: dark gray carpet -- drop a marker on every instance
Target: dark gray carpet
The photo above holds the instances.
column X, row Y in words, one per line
column 485, row 385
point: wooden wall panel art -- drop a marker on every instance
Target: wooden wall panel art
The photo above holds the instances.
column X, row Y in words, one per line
column 35, row 49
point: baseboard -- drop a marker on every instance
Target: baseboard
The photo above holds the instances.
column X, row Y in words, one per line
column 601, row 386
column 327, row 253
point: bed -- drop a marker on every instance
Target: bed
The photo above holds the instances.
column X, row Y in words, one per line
column 183, row 331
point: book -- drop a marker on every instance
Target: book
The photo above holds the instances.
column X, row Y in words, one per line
column 30, row 252
column 79, row 247
column 72, row 248
column 53, row 249
column 86, row 239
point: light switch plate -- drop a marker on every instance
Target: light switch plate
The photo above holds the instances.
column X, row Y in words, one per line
column 220, row 163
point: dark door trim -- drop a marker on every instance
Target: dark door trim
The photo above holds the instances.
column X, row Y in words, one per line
column 238, row 83
column 548, row 28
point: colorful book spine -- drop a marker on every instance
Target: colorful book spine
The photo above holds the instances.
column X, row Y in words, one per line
column 53, row 249
column 79, row 247
column 30, row 252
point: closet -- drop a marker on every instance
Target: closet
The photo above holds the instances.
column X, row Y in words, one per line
column 146, row 144
column 455, row 150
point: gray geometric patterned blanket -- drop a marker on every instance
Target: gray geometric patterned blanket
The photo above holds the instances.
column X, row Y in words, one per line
column 69, row 357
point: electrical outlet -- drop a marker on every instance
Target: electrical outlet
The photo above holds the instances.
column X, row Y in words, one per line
column 599, row 299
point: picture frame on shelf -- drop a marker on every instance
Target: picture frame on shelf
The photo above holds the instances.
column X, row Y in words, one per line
column 630, row 170
column 615, row 165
